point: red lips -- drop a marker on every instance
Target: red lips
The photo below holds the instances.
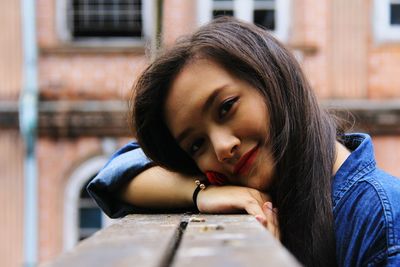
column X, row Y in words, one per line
column 245, row 162
column 215, row 178
column 241, row 168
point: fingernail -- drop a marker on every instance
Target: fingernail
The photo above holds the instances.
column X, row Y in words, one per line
column 260, row 219
column 269, row 205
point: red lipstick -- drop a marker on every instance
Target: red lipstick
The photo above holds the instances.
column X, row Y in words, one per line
column 215, row 178
column 246, row 161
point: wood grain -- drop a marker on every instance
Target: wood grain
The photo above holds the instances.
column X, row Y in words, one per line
column 136, row 240
column 230, row 240
column 177, row 240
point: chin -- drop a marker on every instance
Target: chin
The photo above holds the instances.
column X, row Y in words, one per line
column 258, row 184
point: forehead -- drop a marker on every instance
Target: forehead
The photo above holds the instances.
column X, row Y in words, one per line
column 190, row 90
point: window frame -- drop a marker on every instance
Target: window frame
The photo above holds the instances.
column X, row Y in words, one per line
column 149, row 17
column 384, row 31
column 76, row 181
column 243, row 9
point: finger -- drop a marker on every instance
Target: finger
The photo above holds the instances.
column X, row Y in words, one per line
column 261, row 197
column 261, row 220
column 267, row 209
column 263, row 214
column 256, row 210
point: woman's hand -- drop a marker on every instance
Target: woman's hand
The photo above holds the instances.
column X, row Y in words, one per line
column 270, row 220
column 228, row 199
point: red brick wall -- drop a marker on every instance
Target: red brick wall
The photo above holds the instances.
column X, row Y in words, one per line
column 383, row 71
column 11, row 198
column 311, row 29
column 387, row 153
column 10, row 50
column 178, row 19
column 46, row 23
column 86, row 76
column 11, row 146
column 346, row 63
column 57, row 159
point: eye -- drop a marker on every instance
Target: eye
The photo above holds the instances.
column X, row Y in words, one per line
column 195, row 146
column 226, row 107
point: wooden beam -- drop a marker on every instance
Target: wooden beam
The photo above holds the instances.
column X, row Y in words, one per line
column 371, row 116
column 230, row 240
column 83, row 118
column 164, row 240
column 109, row 118
column 9, row 115
column 136, row 240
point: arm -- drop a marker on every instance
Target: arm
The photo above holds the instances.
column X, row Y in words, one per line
column 394, row 259
column 106, row 186
column 159, row 189
column 129, row 183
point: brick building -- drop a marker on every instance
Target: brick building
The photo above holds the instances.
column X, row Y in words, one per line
column 91, row 51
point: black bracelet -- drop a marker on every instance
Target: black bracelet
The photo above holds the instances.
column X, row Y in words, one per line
column 200, row 186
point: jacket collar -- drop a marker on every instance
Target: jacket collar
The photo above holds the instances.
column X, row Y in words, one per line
column 360, row 162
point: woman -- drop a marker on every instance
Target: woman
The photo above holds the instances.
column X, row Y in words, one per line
column 231, row 103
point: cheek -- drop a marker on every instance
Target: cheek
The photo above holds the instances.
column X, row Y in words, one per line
column 263, row 172
column 252, row 126
column 253, row 120
column 207, row 162
column 266, row 169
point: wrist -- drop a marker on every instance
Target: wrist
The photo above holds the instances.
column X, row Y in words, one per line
column 200, row 186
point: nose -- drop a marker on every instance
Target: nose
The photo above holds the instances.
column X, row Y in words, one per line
column 225, row 144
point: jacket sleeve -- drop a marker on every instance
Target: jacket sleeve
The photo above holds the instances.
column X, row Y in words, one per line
column 394, row 260
column 105, row 187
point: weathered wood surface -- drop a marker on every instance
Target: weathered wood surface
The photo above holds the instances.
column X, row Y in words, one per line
column 180, row 240
column 136, row 240
column 230, row 240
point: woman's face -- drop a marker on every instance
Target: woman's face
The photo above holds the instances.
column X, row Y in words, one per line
column 222, row 123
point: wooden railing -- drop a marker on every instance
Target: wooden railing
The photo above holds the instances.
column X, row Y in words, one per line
column 179, row 240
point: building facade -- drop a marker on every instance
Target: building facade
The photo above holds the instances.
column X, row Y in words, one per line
column 91, row 51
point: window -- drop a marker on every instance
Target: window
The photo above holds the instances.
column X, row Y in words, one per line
column 270, row 14
column 222, row 8
column 395, row 13
column 82, row 217
column 107, row 18
column 386, row 20
column 264, row 14
column 102, row 21
column 90, row 215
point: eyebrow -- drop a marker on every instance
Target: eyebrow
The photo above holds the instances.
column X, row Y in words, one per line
column 211, row 99
column 209, row 102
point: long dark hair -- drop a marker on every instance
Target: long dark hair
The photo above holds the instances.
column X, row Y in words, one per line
column 302, row 135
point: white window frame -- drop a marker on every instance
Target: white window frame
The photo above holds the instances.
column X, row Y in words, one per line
column 384, row 31
column 243, row 9
column 76, row 181
column 149, row 16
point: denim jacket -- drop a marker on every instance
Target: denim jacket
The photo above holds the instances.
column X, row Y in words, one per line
column 366, row 201
column 122, row 167
column 366, row 209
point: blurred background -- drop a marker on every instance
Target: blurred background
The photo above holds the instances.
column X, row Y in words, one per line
column 67, row 67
